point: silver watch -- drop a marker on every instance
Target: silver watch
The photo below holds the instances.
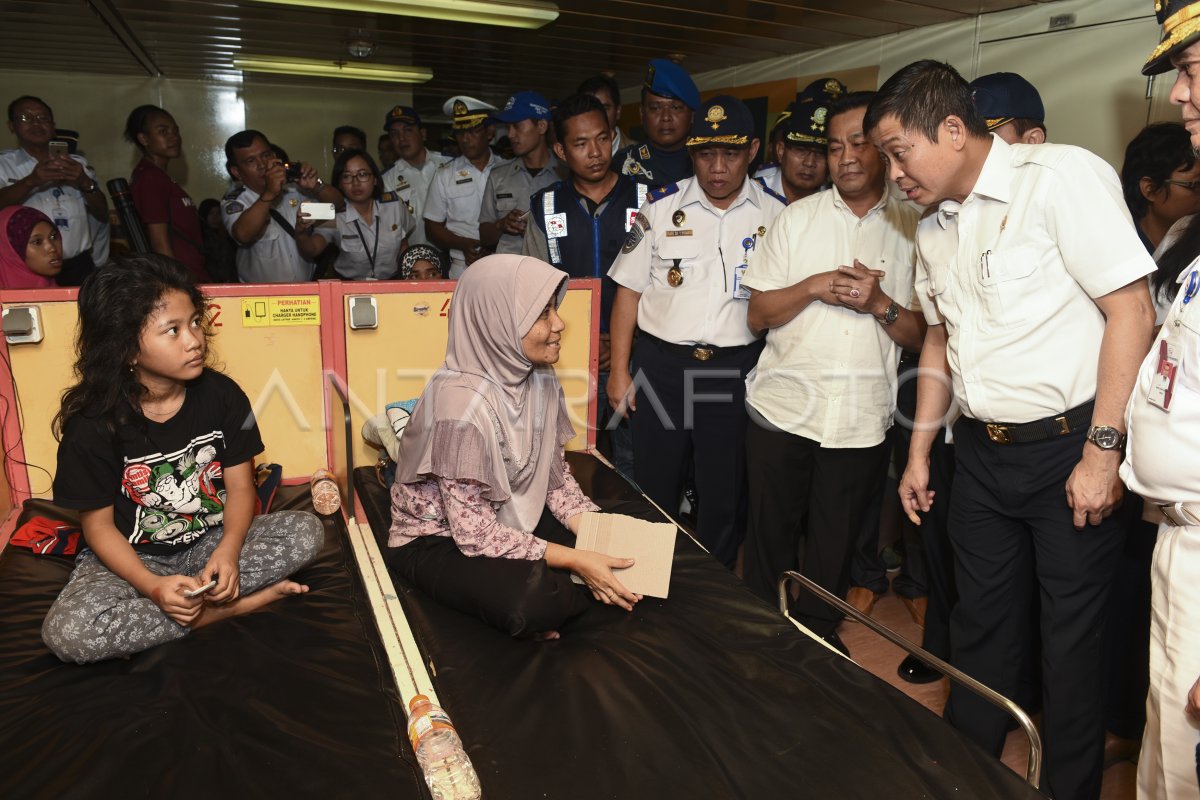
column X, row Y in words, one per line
column 891, row 314
column 1106, row 438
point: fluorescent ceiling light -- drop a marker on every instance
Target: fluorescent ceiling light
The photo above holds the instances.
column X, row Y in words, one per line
column 525, row 14
column 314, row 68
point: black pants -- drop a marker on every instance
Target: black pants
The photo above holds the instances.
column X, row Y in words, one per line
column 694, row 412
column 1013, row 536
column 798, row 486
column 517, row 596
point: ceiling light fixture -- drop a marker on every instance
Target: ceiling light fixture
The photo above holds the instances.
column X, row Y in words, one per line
column 360, row 47
column 312, row 68
column 525, row 14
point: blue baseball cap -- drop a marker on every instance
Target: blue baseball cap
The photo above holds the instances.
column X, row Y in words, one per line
column 1004, row 96
column 522, row 106
column 667, row 79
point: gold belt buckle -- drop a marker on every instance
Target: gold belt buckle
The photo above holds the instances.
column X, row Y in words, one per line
column 702, row 353
column 999, row 433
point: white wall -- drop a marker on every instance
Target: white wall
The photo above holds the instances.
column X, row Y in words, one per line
column 1089, row 76
column 301, row 119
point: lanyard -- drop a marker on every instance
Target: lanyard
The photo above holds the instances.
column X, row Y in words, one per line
column 375, row 249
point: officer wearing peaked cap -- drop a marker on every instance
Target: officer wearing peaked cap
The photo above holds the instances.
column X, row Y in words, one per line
column 679, row 279
column 1163, row 419
column 669, row 98
column 1011, row 107
column 410, row 176
column 456, row 193
column 504, row 212
column 801, row 151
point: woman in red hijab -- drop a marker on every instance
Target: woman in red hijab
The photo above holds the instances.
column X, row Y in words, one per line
column 31, row 251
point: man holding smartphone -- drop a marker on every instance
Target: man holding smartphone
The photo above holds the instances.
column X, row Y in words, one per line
column 40, row 173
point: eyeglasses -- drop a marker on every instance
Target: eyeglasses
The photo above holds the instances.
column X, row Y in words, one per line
column 362, row 176
column 1191, row 186
column 28, row 118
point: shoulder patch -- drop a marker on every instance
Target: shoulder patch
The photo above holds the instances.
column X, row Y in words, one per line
column 233, row 193
column 389, row 197
column 661, row 192
column 634, row 237
column 233, row 207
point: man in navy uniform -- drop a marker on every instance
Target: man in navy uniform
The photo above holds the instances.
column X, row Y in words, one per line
column 579, row 226
column 669, row 97
column 679, row 280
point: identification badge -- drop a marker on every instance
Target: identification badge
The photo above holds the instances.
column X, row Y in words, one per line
column 1162, row 385
column 740, row 292
column 556, row 226
column 630, row 216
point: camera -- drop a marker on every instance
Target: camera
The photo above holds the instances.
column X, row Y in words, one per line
column 291, row 171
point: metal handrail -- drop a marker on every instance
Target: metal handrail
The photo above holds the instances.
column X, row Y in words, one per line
column 1033, row 772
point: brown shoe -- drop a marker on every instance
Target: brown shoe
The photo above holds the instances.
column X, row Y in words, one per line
column 1118, row 749
column 861, row 598
column 916, row 607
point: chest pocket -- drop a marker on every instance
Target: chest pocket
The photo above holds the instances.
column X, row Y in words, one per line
column 685, row 249
column 1013, row 287
column 505, row 202
column 463, row 199
column 351, row 244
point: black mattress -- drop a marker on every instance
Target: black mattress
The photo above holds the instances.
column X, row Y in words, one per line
column 709, row 694
column 296, row 700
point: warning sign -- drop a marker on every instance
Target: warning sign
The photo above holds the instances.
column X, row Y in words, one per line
column 265, row 312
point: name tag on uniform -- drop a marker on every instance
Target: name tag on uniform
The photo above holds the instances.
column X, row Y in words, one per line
column 464, row 180
column 679, row 233
column 401, row 185
column 504, row 196
column 630, row 216
column 556, row 226
column 740, row 292
column 1162, row 385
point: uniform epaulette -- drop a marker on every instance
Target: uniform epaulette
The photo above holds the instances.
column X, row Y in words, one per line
column 233, row 193
column 771, row 191
column 389, row 197
column 661, row 192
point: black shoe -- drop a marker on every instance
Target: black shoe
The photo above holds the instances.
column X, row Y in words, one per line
column 914, row 670
column 836, row 642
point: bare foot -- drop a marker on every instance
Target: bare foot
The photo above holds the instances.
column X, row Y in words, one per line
column 247, row 603
column 546, row 636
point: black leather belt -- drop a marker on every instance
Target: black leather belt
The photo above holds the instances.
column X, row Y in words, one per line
column 1076, row 419
column 699, row 352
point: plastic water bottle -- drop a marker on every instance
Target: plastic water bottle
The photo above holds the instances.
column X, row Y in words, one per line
column 440, row 753
column 326, row 499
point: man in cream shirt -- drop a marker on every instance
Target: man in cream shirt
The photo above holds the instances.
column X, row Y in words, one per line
column 831, row 284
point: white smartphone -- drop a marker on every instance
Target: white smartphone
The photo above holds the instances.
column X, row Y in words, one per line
column 59, row 148
column 318, row 210
column 190, row 593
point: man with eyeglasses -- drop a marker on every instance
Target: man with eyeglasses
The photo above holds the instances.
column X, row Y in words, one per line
column 63, row 187
column 504, row 211
column 668, row 99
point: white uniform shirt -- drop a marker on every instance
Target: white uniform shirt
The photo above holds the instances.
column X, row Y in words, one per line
column 709, row 245
column 274, row 257
column 1013, row 271
column 455, row 196
column 1161, row 442
column 411, row 184
column 65, row 205
column 829, row 373
column 369, row 252
column 510, row 186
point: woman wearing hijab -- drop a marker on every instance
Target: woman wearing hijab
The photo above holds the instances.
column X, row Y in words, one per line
column 482, row 458
column 31, row 251
column 421, row 262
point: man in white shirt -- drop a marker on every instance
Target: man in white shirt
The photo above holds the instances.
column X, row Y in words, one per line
column 679, row 285
column 831, row 284
column 456, row 193
column 409, row 177
column 63, row 187
column 274, row 245
column 1032, row 280
column 1161, row 465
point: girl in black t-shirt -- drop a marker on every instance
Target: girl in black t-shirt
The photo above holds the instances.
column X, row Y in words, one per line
column 156, row 454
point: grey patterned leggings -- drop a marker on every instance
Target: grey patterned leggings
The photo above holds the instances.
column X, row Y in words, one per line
column 99, row 615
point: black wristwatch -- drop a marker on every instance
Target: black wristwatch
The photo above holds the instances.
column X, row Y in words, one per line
column 95, row 187
column 1106, row 438
column 891, row 314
